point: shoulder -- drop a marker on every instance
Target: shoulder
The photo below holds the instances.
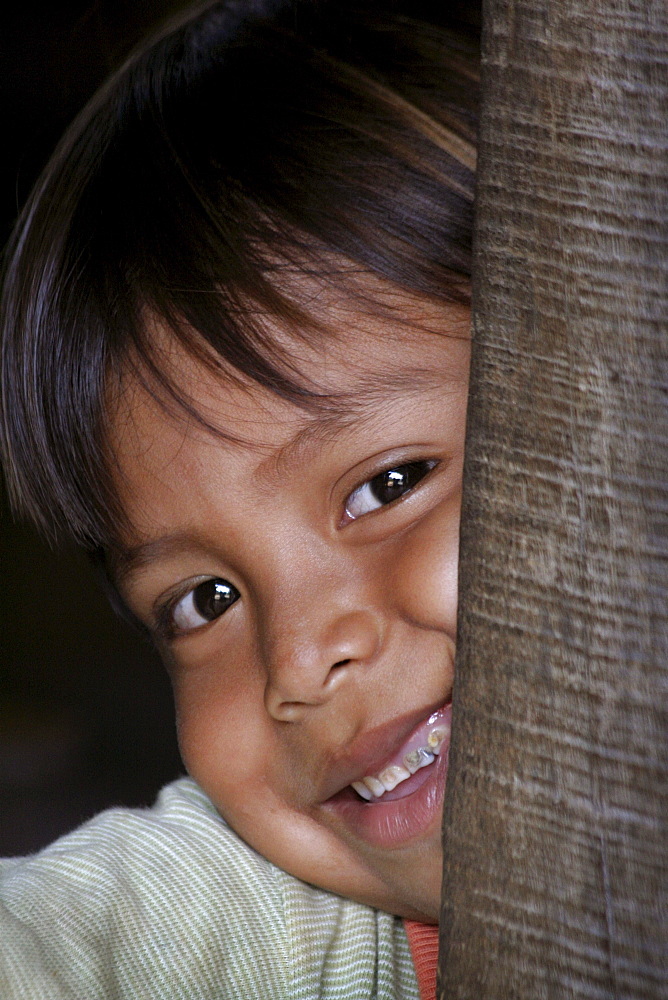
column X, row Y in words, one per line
column 169, row 902
column 179, row 849
column 137, row 902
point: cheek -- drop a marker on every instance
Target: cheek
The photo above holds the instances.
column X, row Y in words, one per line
column 220, row 722
column 425, row 575
column 224, row 752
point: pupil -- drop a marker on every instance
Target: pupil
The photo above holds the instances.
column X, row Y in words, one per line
column 391, row 485
column 213, row 597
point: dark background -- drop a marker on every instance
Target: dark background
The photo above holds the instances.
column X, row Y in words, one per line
column 85, row 707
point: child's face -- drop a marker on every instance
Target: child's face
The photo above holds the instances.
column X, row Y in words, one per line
column 308, row 577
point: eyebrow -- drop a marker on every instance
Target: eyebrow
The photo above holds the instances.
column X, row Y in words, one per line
column 338, row 408
column 333, row 413
column 125, row 562
column 347, row 409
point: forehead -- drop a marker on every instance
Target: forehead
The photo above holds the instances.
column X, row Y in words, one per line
column 365, row 335
column 361, row 361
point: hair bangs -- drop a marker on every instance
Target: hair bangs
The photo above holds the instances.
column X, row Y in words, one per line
column 248, row 146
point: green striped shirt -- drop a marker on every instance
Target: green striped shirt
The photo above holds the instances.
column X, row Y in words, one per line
column 169, row 904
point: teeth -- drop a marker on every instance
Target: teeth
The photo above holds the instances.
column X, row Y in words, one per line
column 393, row 776
column 374, row 785
column 362, row 790
column 435, row 738
column 417, row 759
column 371, row 787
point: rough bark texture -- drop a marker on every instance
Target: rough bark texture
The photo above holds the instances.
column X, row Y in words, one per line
column 556, row 818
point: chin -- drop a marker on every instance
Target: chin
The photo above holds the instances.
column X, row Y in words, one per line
column 411, row 887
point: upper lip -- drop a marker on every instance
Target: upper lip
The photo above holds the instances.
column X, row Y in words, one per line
column 368, row 752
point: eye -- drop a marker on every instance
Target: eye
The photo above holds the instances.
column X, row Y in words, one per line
column 386, row 487
column 206, row 601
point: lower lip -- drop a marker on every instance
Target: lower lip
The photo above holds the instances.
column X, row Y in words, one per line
column 396, row 823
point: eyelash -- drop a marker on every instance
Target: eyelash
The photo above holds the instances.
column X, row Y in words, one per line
column 401, row 479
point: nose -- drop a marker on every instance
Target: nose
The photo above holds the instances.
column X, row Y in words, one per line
column 311, row 649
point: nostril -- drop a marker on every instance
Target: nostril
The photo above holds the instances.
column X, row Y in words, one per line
column 341, row 663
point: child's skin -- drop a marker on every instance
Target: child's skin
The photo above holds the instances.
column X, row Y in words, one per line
column 342, row 641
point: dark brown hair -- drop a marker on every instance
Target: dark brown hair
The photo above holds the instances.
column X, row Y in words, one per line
column 252, row 137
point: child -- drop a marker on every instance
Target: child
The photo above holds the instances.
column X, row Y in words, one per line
column 235, row 370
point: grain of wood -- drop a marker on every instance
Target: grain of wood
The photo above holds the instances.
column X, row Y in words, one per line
column 556, row 817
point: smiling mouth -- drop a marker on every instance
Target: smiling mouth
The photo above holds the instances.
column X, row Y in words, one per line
column 410, row 807
column 420, row 751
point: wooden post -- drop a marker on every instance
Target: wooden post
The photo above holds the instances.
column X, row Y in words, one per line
column 556, row 815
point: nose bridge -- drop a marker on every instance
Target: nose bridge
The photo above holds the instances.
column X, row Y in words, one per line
column 318, row 623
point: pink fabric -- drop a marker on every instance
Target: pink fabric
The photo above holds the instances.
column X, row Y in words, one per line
column 423, row 942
